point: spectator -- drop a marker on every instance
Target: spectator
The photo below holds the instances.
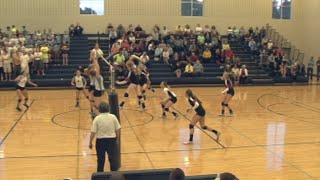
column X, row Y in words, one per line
column 198, row 69
column 270, row 45
column 318, row 69
column 115, row 48
column 158, row 53
column 138, row 30
column 45, row 55
column 132, row 38
column 283, row 68
column 38, row 64
column 188, row 72
column 164, row 32
column 229, row 33
column 253, row 47
column 125, row 45
column 65, row 52
column 151, row 48
column 236, row 72
column 6, row 59
column 206, row 56
column 177, row 174
column 198, row 29
column 71, row 30
column 165, row 55
column 310, row 68
column 66, row 37
column 78, row 29
column 113, row 36
column 56, row 52
column 105, row 128
column 201, row 39
column 120, row 31
column 109, row 28
column 193, row 58
column 243, row 74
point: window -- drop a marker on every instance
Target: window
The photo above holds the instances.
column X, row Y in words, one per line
column 92, row 7
column 281, row 9
column 192, row 7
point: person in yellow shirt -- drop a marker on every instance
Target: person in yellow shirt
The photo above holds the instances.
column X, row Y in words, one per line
column 206, row 56
column 45, row 55
column 188, row 72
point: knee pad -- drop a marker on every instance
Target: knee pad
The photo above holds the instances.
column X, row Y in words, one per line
column 226, row 105
column 87, row 97
column 222, row 104
column 92, row 101
column 191, row 126
column 143, row 91
column 19, row 100
column 205, row 127
column 162, row 106
column 140, row 97
column 26, row 99
column 126, row 95
column 166, row 109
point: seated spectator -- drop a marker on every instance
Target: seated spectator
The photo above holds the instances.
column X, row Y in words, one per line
column 198, row 69
column 170, row 50
column 236, row 72
column 225, row 46
column 177, row 174
column 109, row 28
column 201, row 39
column 206, row 29
column 243, row 74
column 165, row 55
column 236, row 62
column 193, row 48
column 144, row 58
column 132, row 38
column 151, row 48
column 193, row 58
column 78, row 29
column 162, row 44
column 130, row 29
column 120, row 31
column 188, row 72
column 178, row 44
column 270, row 45
column 119, row 63
column 125, row 45
column 115, row 48
column 199, row 29
column 158, row 53
column 71, row 30
column 206, row 56
column 113, row 36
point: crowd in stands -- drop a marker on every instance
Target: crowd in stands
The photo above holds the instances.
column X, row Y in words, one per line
column 185, row 49
column 22, row 50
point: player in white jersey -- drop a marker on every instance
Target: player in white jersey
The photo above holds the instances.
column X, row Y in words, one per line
column 22, row 92
column 80, row 83
column 171, row 98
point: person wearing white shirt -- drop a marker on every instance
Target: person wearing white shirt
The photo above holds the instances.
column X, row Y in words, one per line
column 199, row 29
column 243, row 74
column 106, row 129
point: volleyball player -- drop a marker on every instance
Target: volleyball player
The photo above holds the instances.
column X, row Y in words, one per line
column 132, row 78
column 98, row 86
column 22, row 92
column 227, row 93
column 80, row 83
column 196, row 105
column 171, row 98
column 144, row 81
column 91, row 86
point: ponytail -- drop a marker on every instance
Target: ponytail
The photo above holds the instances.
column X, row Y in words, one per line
column 190, row 94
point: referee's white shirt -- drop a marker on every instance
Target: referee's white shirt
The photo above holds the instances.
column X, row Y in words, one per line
column 105, row 126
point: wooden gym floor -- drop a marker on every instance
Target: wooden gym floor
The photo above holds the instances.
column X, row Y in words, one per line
column 273, row 135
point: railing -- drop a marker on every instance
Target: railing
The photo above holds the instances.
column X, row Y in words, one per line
column 294, row 54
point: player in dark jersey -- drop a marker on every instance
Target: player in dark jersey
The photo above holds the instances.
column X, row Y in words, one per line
column 133, row 79
column 228, row 94
column 171, row 98
column 196, row 105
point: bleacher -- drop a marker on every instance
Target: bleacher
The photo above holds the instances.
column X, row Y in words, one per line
column 60, row 76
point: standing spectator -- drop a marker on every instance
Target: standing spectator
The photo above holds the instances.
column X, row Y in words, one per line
column 113, row 36
column 78, row 29
column 38, row 64
column 243, row 74
column 188, row 72
column 45, row 55
column 66, row 37
column 6, row 59
column 106, row 129
column 318, row 68
column 283, row 68
column 310, row 68
column 16, row 64
column 71, row 30
column 56, row 52
column 198, row 29
column 65, row 52
column 121, row 31
column 198, row 69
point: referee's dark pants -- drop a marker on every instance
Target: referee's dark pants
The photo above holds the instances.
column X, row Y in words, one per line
column 108, row 145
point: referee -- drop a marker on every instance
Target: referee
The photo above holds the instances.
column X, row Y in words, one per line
column 106, row 128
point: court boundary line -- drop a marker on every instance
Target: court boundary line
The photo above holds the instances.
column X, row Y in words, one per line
column 15, row 124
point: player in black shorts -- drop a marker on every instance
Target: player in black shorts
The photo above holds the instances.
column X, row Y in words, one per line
column 227, row 93
column 80, row 83
column 133, row 79
column 171, row 98
column 22, row 92
column 196, row 105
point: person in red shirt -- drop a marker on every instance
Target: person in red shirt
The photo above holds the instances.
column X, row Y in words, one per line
column 193, row 58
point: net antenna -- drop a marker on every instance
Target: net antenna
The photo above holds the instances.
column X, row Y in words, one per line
column 112, row 72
